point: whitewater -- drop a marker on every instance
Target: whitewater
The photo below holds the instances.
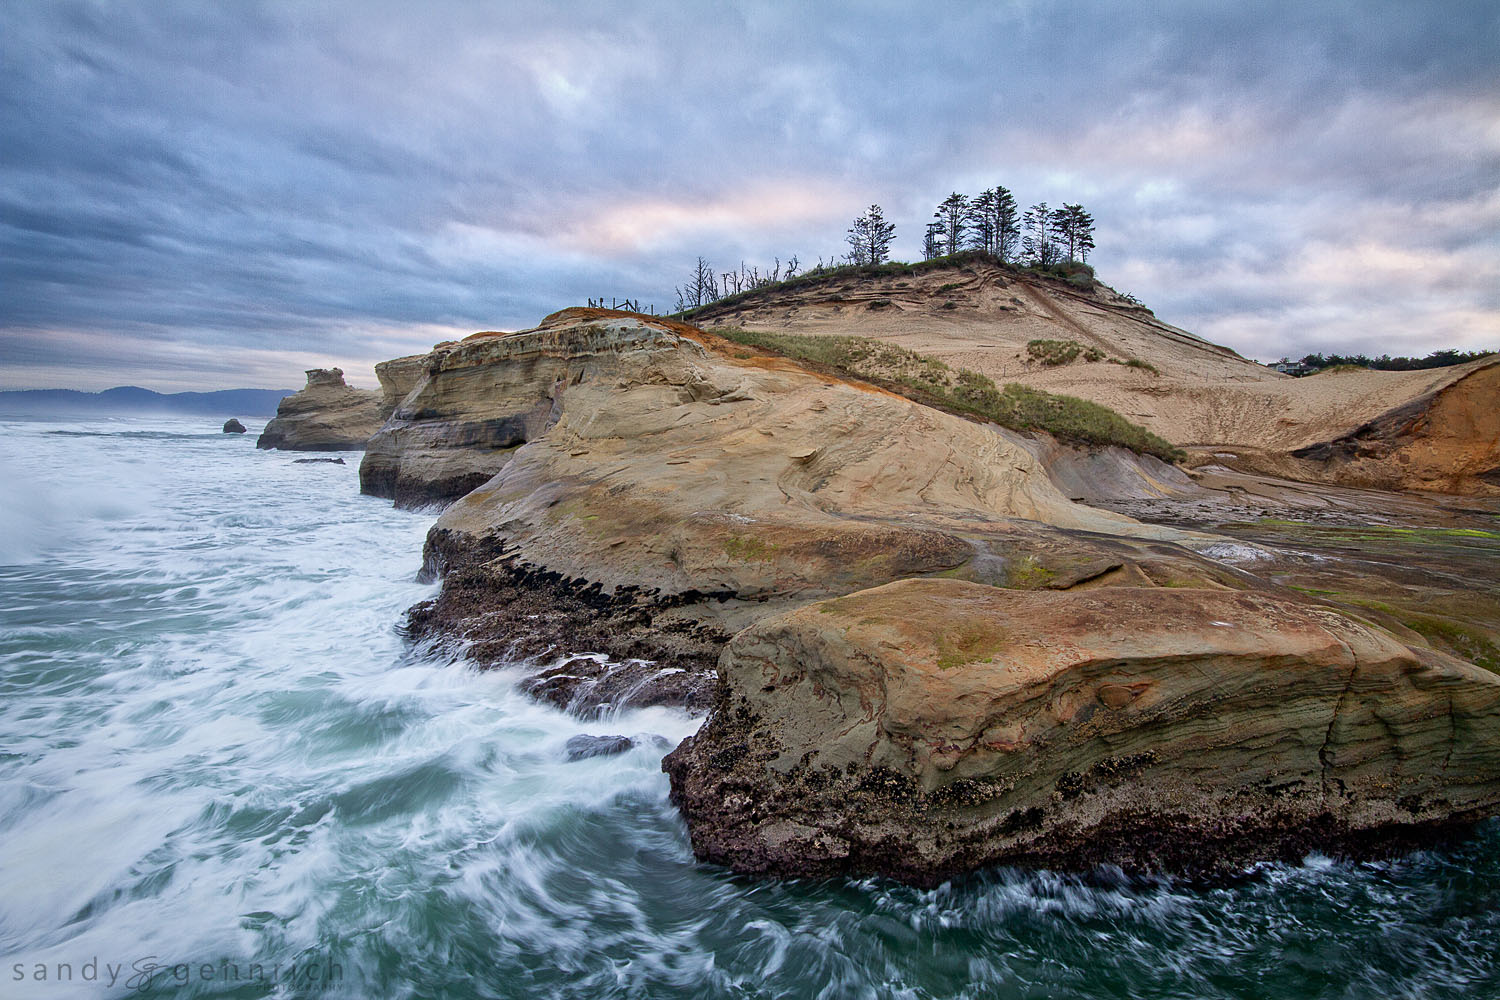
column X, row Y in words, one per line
column 225, row 773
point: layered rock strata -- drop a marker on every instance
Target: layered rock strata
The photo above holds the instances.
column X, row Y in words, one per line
column 326, row 415
column 929, row 727
column 648, row 490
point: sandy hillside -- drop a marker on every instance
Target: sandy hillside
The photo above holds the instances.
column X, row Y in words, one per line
column 981, row 315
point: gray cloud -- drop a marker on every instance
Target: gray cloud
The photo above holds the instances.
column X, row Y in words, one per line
column 217, row 190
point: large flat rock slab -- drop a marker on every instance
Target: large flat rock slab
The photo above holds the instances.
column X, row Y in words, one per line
column 931, row 727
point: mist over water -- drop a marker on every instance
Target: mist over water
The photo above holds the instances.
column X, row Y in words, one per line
column 216, row 751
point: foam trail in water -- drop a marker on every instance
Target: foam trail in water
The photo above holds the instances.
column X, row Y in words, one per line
column 217, row 747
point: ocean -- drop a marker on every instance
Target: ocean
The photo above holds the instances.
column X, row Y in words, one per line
column 224, row 773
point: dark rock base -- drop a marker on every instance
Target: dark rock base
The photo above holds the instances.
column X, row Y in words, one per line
column 862, row 821
column 504, row 616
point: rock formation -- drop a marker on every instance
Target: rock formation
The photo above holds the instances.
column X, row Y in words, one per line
column 928, row 727
column 583, row 747
column 326, row 415
column 644, row 489
column 1445, row 441
column 233, row 426
column 873, row 577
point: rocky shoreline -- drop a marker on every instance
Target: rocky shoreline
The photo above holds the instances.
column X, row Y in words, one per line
column 501, row 615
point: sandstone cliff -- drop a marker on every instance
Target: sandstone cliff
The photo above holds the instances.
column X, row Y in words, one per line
column 326, row 415
column 677, row 486
column 669, row 502
column 398, row 377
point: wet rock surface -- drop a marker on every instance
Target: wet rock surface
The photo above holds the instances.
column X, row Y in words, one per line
column 929, row 727
column 505, row 618
column 233, row 426
column 583, row 747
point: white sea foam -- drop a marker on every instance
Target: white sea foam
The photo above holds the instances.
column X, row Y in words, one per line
column 216, row 747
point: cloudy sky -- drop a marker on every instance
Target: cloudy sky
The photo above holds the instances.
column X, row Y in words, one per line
column 205, row 195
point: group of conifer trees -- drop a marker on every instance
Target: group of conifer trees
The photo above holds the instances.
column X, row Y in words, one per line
column 992, row 221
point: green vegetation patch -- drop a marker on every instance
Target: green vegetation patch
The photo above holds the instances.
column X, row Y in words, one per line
column 749, row 549
column 1054, row 352
column 963, row 391
column 1062, row 352
column 1334, row 533
column 1028, row 574
column 1464, row 640
column 968, row 644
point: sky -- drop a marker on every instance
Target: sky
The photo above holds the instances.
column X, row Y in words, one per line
column 211, row 195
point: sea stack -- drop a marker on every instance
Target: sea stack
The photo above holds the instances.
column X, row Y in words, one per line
column 327, row 415
column 233, row 426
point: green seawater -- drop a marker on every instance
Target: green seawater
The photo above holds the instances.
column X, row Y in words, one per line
column 223, row 773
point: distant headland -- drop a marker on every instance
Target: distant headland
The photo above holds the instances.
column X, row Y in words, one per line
column 133, row 399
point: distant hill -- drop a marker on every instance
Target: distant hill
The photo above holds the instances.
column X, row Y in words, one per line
column 133, row 399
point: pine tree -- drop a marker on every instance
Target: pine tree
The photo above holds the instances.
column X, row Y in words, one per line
column 953, row 214
column 1007, row 225
column 982, row 222
column 1040, row 243
column 1075, row 230
column 932, row 241
column 870, row 237
column 856, row 237
column 994, row 223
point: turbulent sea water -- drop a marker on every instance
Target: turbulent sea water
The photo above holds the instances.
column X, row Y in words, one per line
column 223, row 773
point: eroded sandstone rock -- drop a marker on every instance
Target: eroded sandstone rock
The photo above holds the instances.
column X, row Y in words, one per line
column 1046, row 683
column 1447, row 441
column 326, row 415
column 653, row 489
column 929, row 727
